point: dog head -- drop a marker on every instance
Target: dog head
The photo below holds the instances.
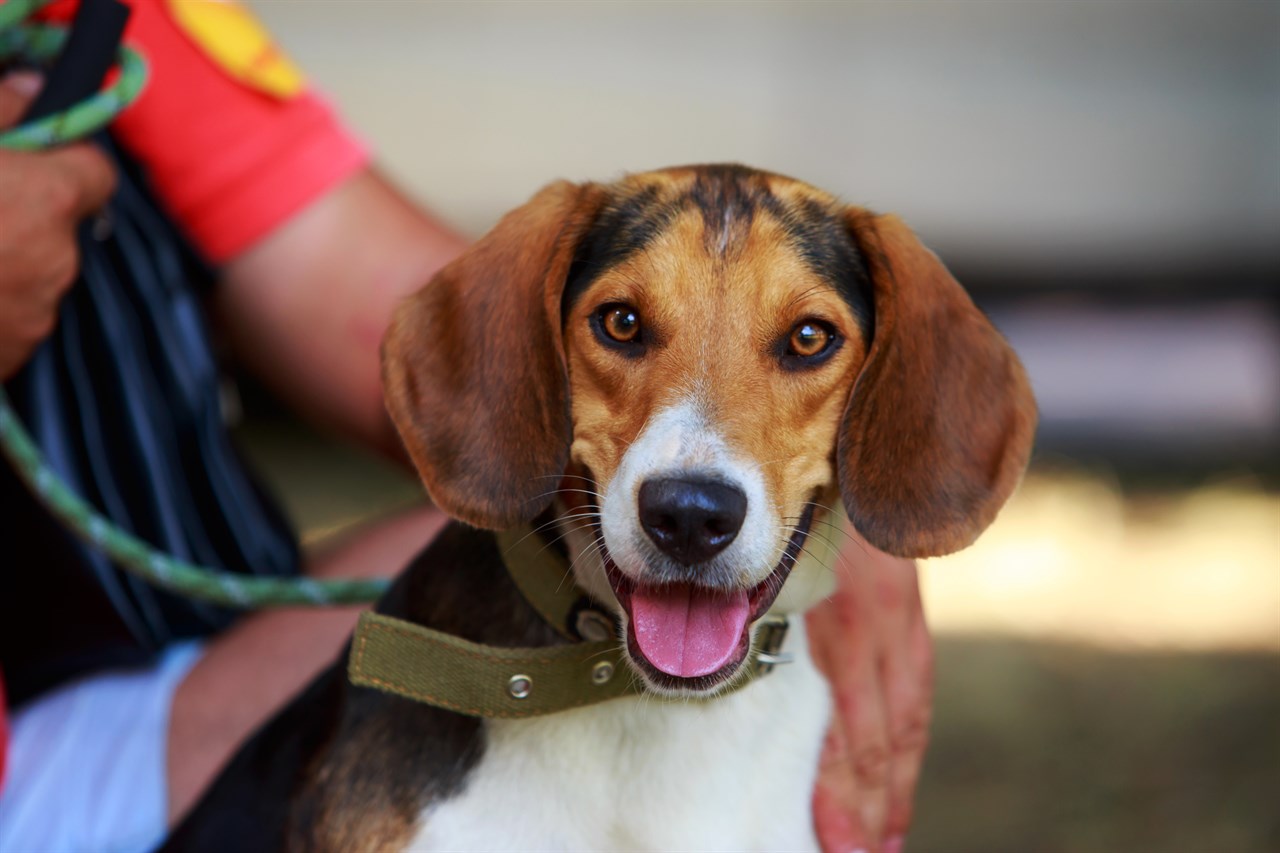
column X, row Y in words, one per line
column 714, row 355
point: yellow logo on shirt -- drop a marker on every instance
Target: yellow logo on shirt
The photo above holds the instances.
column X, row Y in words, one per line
column 233, row 38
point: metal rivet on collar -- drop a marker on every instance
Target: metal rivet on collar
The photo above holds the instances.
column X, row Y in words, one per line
column 520, row 686
column 593, row 626
column 602, row 672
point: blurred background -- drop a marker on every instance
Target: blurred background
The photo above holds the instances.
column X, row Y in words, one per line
column 1104, row 177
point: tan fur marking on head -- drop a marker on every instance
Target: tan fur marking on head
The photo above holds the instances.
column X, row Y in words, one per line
column 721, row 262
column 715, row 321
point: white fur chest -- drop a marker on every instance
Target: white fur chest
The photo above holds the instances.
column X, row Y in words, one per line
column 735, row 773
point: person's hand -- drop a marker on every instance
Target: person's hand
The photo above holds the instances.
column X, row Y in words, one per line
column 43, row 196
column 871, row 641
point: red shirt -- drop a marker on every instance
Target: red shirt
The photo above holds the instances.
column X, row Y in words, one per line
column 233, row 143
column 229, row 159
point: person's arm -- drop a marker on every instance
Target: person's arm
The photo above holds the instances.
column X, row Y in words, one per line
column 305, row 307
column 872, row 642
column 261, row 175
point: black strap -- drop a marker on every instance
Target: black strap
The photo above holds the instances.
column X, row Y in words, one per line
column 88, row 54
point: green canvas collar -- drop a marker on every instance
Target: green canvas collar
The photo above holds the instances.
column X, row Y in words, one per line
column 439, row 669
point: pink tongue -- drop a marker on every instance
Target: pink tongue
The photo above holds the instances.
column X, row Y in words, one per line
column 688, row 631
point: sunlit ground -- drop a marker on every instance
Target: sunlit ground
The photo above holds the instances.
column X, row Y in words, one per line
column 1073, row 558
column 1107, row 673
column 1108, row 678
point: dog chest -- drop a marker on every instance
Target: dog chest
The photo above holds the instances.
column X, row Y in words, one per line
column 735, row 773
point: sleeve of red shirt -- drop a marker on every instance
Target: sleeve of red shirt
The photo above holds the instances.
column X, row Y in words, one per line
column 229, row 162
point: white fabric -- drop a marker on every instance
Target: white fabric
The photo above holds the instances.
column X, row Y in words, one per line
column 86, row 765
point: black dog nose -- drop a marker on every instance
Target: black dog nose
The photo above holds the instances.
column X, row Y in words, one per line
column 691, row 520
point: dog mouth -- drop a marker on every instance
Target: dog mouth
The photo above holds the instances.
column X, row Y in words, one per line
column 685, row 636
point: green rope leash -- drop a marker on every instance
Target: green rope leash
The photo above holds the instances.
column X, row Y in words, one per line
column 38, row 43
column 14, row 12
column 163, row 570
column 34, row 43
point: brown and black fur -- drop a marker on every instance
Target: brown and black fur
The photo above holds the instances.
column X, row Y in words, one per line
column 939, row 417
column 347, row 768
column 727, row 198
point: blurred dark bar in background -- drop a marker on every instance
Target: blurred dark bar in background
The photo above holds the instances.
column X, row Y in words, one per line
column 1149, row 379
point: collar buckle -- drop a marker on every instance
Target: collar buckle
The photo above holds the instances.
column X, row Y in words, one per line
column 770, row 637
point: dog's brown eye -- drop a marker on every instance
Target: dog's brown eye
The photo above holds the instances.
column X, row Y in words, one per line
column 809, row 344
column 621, row 322
column 808, row 339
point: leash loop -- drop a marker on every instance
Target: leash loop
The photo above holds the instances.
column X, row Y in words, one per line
column 164, row 570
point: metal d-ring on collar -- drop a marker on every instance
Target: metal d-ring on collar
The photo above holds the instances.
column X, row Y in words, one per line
column 439, row 669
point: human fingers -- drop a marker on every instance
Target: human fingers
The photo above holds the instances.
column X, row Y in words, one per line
column 838, row 824
column 35, row 273
column 43, row 196
column 906, row 672
column 842, row 631
column 87, row 180
column 16, row 91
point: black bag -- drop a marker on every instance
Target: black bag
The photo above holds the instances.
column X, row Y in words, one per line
column 123, row 400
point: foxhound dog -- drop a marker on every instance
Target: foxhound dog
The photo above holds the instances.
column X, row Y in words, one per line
column 681, row 376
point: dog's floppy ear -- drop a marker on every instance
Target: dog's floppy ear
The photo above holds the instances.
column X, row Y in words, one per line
column 939, row 425
column 473, row 364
